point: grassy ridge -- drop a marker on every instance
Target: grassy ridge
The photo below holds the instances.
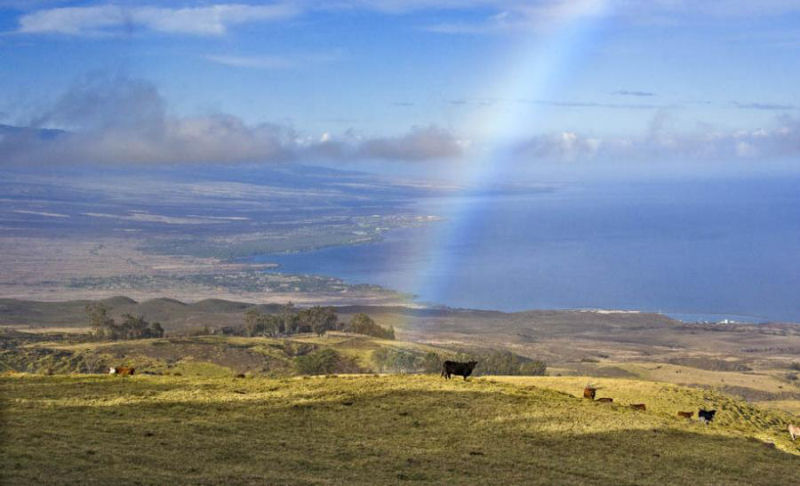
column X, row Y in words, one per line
column 377, row 430
column 201, row 355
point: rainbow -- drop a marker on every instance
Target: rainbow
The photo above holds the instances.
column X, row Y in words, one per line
column 533, row 75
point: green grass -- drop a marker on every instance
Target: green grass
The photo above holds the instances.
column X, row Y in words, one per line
column 199, row 355
column 86, row 429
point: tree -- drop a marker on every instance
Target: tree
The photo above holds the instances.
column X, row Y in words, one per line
column 317, row 319
column 271, row 324
column 363, row 324
column 253, row 322
column 156, row 331
column 134, row 327
column 288, row 319
column 103, row 326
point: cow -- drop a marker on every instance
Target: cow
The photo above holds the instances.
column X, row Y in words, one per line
column 706, row 416
column 456, row 368
column 794, row 431
column 638, row 406
column 606, row 400
column 686, row 415
column 589, row 392
column 121, row 370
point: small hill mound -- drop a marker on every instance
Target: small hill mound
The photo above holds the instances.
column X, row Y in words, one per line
column 119, row 300
column 220, row 305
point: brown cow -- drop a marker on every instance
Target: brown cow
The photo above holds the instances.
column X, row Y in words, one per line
column 605, row 400
column 121, row 371
column 638, row 406
column 589, row 392
column 794, row 431
column 687, row 415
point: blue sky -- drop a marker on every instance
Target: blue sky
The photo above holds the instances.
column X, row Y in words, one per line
column 401, row 80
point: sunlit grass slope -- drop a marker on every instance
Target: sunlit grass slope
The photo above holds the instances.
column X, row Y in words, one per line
column 202, row 356
column 375, row 430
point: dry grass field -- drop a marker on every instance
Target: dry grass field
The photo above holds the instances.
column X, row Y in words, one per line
column 370, row 429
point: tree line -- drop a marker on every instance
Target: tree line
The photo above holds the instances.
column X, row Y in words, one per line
column 286, row 322
column 317, row 319
column 131, row 327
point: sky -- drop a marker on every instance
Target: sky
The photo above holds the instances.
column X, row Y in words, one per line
column 390, row 82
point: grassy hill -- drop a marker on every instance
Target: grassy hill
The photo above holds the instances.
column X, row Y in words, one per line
column 759, row 363
column 370, row 429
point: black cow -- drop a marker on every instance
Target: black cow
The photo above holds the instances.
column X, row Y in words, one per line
column 706, row 415
column 456, row 368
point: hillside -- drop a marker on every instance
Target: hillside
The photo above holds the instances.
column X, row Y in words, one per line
column 176, row 316
column 379, row 430
column 203, row 355
column 759, row 363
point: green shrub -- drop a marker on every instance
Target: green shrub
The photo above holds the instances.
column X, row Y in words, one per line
column 321, row 362
column 363, row 324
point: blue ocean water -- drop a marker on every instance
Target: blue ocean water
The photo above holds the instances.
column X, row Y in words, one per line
column 711, row 248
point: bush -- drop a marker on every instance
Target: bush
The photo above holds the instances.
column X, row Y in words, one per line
column 320, row 362
column 504, row 363
column 397, row 361
column 533, row 368
column 431, row 363
column 363, row 324
column 492, row 363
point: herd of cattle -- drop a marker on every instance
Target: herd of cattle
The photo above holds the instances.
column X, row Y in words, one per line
column 465, row 369
column 706, row 416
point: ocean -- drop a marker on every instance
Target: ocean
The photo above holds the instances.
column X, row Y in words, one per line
column 702, row 249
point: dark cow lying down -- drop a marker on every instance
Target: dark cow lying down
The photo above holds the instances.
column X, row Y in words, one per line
column 456, row 368
column 706, row 415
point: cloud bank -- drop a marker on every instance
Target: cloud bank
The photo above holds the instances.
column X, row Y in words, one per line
column 121, row 120
column 116, row 119
column 782, row 139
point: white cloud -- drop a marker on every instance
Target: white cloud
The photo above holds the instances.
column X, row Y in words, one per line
column 500, row 15
column 419, row 144
column 111, row 19
column 120, row 120
column 560, row 146
column 289, row 61
column 780, row 140
column 255, row 62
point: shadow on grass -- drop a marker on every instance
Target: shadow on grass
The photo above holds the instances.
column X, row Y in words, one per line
column 369, row 431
